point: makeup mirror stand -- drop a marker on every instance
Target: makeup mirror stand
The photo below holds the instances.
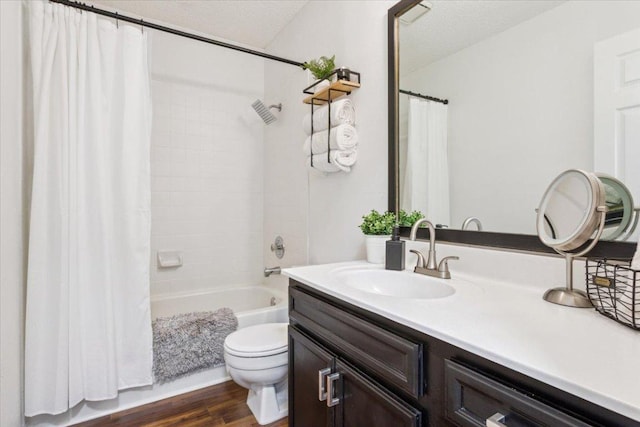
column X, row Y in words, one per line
column 567, row 295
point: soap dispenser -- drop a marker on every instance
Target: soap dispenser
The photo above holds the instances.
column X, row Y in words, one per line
column 394, row 259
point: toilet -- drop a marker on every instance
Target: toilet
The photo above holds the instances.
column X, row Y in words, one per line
column 257, row 359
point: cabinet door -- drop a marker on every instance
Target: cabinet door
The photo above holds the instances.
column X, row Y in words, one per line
column 309, row 364
column 359, row 402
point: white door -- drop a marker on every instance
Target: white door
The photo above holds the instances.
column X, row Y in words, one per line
column 617, row 109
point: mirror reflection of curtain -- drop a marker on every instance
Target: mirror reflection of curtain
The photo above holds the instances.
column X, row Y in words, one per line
column 426, row 176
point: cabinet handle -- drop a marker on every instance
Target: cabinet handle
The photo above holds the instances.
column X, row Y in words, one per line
column 332, row 401
column 322, row 391
column 496, row 420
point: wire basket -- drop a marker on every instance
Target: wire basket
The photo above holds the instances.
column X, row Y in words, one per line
column 614, row 290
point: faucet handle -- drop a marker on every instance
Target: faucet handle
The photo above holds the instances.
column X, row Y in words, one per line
column 421, row 262
column 443, row 267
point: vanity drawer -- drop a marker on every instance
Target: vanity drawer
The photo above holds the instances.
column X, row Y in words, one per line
column 390, row 357
column 475, row 400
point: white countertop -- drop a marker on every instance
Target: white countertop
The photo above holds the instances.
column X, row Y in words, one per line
column 576, row 350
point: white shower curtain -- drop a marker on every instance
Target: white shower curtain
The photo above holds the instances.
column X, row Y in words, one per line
column 88, row 327
column 426, row 180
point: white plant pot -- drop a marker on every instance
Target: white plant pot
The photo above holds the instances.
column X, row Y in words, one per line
column 321, row 85
column 376, row 246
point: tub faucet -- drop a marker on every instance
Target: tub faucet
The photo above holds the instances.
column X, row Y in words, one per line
column 268, row 271
column 431, row 266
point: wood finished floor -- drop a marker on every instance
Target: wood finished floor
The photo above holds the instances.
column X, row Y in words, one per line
column 219, row 405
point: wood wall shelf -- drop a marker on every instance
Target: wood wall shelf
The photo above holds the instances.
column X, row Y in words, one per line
column 336, row 90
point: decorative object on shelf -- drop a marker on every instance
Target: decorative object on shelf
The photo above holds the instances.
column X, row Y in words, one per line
column 330, row 128
column 614, row 290
column 377, row 229
column 571, row 211
column 321, row 68
column 343, row 73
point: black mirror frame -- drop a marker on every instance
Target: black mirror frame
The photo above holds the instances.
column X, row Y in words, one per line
column 506, row 241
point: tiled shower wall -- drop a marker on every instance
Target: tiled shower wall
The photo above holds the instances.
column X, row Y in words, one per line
column 206, row 166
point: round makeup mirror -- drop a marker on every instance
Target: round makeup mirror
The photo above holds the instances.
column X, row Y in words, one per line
column 572, row 210
column 567, row 214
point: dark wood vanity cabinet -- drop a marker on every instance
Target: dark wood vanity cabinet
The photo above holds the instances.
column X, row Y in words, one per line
column 325, row 389
column 351, row 400
column 350, row 367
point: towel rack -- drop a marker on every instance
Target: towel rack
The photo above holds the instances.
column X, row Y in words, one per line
column 327, row 95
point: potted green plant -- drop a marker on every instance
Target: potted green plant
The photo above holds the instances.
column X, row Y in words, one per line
column 377, row 228
column 321, row 68
column 408, row 219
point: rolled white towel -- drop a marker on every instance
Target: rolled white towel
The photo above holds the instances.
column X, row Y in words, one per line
column 343, row 137
column 341, row 160
column 342, row 112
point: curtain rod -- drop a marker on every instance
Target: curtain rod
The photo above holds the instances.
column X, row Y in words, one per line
column 419, row 95
column 143, row 23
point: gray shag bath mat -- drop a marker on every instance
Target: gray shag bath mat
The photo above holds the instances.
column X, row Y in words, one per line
column 189, row 342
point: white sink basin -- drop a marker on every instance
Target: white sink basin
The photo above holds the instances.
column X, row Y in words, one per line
column 399, row 284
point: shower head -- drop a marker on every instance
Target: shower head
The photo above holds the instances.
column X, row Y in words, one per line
column 263, row 111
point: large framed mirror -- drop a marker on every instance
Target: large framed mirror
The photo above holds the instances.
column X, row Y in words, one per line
column 507, row 95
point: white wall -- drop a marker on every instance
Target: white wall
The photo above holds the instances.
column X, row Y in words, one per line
column 501, row 90
column 355, row 31
column 207, row 159
column 285, row 176
column 13, row 190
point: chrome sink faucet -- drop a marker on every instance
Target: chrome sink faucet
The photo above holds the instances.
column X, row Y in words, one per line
column 472, row 220
column 431, row 266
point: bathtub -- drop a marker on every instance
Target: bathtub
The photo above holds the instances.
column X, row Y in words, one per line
column 252, row 305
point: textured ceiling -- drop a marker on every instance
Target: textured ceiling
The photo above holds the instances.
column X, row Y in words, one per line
column 450, row 26
column 453, row 25
column 250, row 22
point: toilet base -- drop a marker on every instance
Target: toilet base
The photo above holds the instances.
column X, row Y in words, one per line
column 269, row 403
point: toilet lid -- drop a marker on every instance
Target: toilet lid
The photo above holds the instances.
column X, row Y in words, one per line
column 258, row 340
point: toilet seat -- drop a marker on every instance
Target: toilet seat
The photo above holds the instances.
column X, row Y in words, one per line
column 256, row 363
column 263, row 340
